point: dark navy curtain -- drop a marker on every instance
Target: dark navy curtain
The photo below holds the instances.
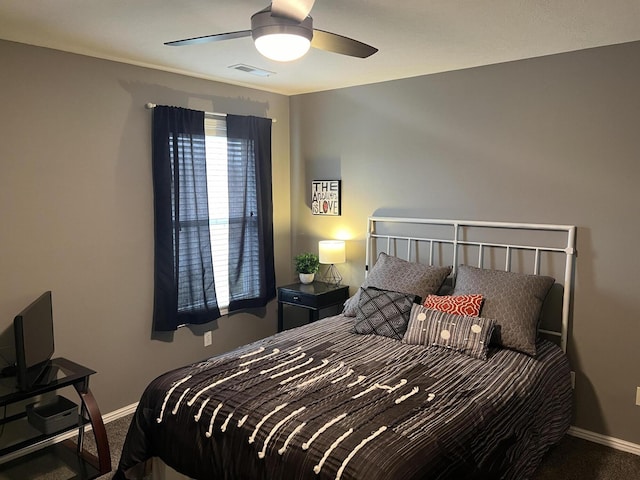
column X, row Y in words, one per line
column 184, row 282
column 251, row 256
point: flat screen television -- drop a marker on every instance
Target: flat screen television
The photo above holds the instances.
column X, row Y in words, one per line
column 33, row 332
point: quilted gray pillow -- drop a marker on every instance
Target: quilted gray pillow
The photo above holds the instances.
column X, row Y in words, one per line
column 467, row 335
column 398, row 275
column 382, row 312
column 514, row 300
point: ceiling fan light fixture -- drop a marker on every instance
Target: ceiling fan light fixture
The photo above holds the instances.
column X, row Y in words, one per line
column 281, row 39
column 282, row 47
column 285, row 34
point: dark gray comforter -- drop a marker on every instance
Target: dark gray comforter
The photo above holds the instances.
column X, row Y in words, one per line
column 320, row 402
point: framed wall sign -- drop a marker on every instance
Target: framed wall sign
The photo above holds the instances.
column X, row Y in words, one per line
column 325, row 197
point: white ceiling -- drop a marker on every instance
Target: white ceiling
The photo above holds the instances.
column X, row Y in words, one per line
column 415, row 37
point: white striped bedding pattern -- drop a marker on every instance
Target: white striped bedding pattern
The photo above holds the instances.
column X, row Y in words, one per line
column 320, row 402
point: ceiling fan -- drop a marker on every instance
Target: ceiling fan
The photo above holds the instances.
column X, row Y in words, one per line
column 284, row 31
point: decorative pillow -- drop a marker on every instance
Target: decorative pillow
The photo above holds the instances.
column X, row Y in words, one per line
column 514, row 300
column 467, row 305
column 468, row 335
column 382, row 312
column 395, row 274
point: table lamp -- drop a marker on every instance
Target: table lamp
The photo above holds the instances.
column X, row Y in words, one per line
column 330, row 253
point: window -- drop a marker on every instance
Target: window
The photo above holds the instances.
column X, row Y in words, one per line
column 214, row 216
column 218, row 193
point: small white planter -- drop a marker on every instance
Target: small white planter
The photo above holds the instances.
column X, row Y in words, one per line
column 306, row 277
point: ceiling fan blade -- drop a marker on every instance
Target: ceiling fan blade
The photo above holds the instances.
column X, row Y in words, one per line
column 296, row 10
column 210, row 38
column 333, row 42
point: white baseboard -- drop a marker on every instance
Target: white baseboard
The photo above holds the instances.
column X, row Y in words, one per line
column 121, row 412
column 605, row 440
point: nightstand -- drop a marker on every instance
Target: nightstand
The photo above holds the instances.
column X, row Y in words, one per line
column 313, row 296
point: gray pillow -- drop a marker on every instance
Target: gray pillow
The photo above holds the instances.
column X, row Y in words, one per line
column 382, row 312
column 514, row 300
column 398, row 275
column 433, row 328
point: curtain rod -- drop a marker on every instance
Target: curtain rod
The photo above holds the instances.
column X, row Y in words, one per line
column 151, row 106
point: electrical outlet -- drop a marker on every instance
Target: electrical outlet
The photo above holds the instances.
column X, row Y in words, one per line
column 573, row 379
column 207, row 338
column 638, row 396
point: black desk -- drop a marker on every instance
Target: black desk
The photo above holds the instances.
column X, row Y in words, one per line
column 61, row 373
column 313, row 296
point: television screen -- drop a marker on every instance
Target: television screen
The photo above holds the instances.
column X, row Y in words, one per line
column 33, row 329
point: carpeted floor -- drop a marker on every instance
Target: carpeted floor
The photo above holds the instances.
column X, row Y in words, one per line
column 577, row 459
column 571, row 459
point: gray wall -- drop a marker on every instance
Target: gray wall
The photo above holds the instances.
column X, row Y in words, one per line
column 76, row 212
column 548, row 140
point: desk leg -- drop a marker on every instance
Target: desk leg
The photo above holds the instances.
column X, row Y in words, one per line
column 280, row 317
column 102, row 443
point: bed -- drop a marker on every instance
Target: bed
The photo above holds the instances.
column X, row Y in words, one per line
column 447, row 363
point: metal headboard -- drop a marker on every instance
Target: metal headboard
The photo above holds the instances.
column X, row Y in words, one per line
column 447, row 241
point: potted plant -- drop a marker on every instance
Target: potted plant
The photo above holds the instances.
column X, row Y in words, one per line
column 307, row 265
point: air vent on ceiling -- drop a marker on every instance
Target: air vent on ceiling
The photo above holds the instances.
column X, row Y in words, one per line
column 252, row 70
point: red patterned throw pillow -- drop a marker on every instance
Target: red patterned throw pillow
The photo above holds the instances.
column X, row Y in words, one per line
column 467, row 305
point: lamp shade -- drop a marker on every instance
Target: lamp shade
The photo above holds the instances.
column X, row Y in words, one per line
column 331, row 251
